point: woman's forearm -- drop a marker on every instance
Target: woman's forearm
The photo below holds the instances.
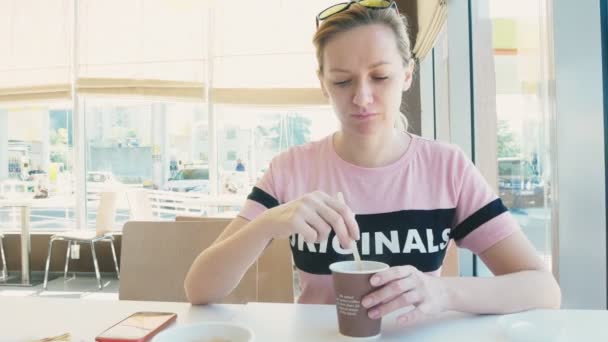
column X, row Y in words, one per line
column 503, row 294
column 219, row 269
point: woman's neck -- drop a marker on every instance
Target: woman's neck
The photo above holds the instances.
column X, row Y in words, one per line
column 373, row 150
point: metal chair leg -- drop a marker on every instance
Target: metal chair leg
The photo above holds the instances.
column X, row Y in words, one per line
column 48, row 262
column 4, row 269
column 67, row 260
column 96, row 265
column 115, row 260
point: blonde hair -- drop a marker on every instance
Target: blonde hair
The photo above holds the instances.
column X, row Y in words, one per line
column 357, row 16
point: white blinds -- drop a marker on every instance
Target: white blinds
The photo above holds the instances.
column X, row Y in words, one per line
column 141, row 47
column 151, row 39
column 161, row 48
column 264, row 52
column 34, row 48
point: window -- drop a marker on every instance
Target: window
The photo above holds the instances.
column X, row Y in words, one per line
column 231, row 155
column 36, row 151
column 231, row 134
column 142, row 101
column 441, row 90
column 511, row 52
column 262, row 133
column 138, row 144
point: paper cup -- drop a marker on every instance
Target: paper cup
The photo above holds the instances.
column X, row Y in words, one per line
column 351, row 284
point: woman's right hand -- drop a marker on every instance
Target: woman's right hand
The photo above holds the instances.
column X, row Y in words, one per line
column 313, row 216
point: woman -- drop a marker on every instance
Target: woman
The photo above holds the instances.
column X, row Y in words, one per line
column 410, row 195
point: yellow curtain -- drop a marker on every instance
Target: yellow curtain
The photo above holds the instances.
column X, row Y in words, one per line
column 431, row 17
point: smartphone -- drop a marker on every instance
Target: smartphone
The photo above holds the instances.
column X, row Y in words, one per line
column 139, row 327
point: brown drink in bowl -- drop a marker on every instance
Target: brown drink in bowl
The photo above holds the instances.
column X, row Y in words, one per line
column 351, row 284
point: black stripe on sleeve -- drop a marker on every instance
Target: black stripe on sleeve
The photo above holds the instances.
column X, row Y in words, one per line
column 481, row 216
column 262, row 197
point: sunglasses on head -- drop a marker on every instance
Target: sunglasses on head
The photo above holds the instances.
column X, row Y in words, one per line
column 341, row 7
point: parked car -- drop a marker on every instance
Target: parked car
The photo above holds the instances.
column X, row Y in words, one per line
column 235, row 182
column 101, row 180
column 189, row 179
column 13, row 188
column 519, row 184
column 101, row 177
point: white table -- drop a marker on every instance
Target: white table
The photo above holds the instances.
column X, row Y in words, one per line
column 34, row 317
column 288, row 322
column 28, row 318
column 25, row 205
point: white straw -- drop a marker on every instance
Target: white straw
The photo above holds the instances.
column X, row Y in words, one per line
column 353, row 243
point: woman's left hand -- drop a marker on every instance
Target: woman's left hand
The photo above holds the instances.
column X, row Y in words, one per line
column 403, row 286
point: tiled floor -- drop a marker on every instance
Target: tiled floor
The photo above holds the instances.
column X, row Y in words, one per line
column 82, row 285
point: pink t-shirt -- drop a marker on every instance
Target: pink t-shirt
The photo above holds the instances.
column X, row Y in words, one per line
column 407, row 211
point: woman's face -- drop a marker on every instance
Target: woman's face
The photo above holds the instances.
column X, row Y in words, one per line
column 364, row 77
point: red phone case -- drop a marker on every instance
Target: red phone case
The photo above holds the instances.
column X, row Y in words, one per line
column 146, row 338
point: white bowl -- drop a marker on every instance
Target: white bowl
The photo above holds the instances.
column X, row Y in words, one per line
column 206, row 332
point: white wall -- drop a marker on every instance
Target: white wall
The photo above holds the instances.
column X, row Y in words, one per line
column 581, row 202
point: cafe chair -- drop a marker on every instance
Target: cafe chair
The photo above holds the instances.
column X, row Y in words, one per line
column 156, row 256
column 4, row 269
column 274, row 267
column 106, row 212
column 140, row 206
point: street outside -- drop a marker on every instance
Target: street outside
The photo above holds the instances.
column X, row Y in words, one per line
column 534, row 221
